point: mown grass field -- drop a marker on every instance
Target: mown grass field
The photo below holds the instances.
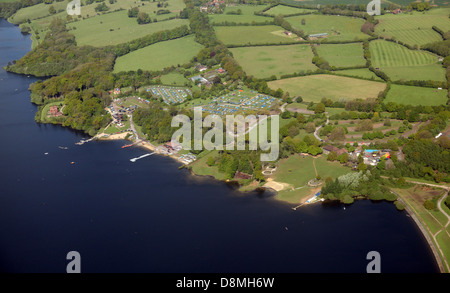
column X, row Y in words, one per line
column 287, row 10
column 265, row 61
column 342, row 55
column 415, row 28
column 360, row 72
column 315, row 87
column 116, row 28
column 399, row 62
column 252, row 35
column 247, row 15
column 297, row 171
column 339, row 28
column 413, row 95
column 160, row 55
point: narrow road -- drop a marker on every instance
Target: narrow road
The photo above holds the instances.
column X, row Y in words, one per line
column 316, row 132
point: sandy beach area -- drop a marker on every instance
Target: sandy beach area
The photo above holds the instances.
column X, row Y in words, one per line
column 277, row 186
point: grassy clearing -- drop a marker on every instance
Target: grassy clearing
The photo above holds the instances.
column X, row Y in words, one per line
column 361, row 72
column 252, row 35
column 342, row 55
column 200, row 167
column 312, row 88
column 160, row 55
column 265, row 61
column 116, row 28
column 174, row 78
column 413, row 95
column 414, row 28
column 339, row 28
column 399, row 62
column 247, row 14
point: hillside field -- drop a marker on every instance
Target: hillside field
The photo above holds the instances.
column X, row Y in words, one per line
column 399, row 62
column 159, row 55
column 360, row 72
column 116, row 28
column 339, row 88
column 247, row 14
column 287, row 10
column 253, row 35
column 339, row 28
column 342, row 55
column 414, row 95
column 415, row 28
column 265, row 61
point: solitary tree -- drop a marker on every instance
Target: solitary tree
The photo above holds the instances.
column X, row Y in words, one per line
column 320, row 108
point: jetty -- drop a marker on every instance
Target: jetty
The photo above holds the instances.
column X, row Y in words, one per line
column 83, row 141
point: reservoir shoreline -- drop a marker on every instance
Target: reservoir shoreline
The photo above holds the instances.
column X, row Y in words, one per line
column 126, row 217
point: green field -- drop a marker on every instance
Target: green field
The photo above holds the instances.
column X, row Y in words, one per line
column 116, row 28
column 160, row 55
column 247, row 15
column 287, row 10
column 342, row 55
column 338, row 88
column 360, row 72
column 35, row 12
column 414, row 95
column 174, row 78
column 399, row 62
column 41, row 10
column 339, row 28
column 265, row 61
column 415, row 28
column 297, row 171
column 253, row 35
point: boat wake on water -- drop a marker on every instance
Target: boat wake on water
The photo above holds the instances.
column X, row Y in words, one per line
column 141, row 157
